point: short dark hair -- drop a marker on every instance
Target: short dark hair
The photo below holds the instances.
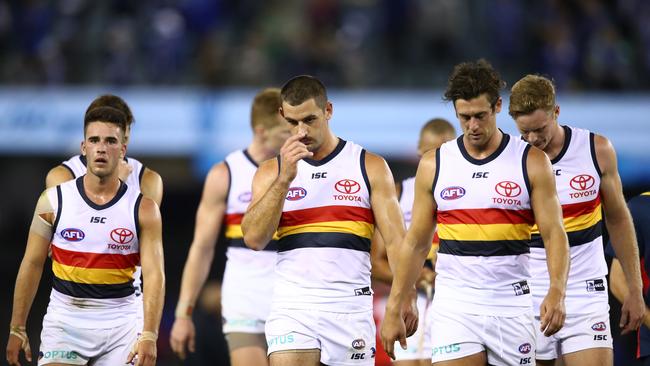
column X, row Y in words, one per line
column 107, row 115
column 470, row 80
column 110, row 100
column 302, row 88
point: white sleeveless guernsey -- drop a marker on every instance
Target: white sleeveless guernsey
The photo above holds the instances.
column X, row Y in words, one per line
column 577, row 178
column 78, row 167
column 406, row 198
column 95, row 249
column 484, row 223
column 249, row 275
column 324, row 235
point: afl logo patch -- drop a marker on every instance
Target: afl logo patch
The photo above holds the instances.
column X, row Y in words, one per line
column 599, row 327
column 245, row 197
column 347, row 186
column 452, row 193
column 72, row 234
column 582, row 182
column 358, row 344
column 296, row 193
column 508, row 189
column 122, row 235
column 525, row 348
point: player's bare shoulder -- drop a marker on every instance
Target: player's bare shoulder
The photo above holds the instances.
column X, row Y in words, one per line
column 57, row 175
column 148, row 212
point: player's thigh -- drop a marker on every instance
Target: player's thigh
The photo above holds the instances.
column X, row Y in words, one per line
column 290, row 330
column 123, row 338
column 456, row 336
column 510, row 340
column 477, row 359
column 63, row 344
column 423, row 362
column 591, row 356
column 247, row 349
column 302, row 357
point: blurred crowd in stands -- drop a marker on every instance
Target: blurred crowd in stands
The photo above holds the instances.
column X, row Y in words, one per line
column 581, row 44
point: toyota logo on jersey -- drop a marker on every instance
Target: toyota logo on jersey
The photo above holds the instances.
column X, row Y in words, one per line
column 582, row 182
column 122, row 235
column 508, row 189
column 347, row 186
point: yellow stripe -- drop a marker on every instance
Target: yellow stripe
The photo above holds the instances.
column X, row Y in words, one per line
column 645, row 194
column 585, row 221
column 94, row 276
column 358, row 228
column 235, row 232
column 489, row 232
column 433, row 251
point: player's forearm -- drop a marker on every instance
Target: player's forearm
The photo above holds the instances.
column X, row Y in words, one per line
column 381, row 271
column 195, row 273
column 409, row 257
column 623, row 240
column 557, row 258
column 262, row 218
column 617, row 284
column 154, row 298
column 29, row 276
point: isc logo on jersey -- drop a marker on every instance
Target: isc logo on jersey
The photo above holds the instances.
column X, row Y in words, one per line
column 72, row 234
column 452, row 193
column 296, row 193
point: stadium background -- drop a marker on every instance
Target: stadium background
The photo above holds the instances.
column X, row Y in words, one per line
column 189, row 69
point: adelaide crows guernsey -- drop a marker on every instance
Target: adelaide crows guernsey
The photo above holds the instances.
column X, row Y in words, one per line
column 324, row 235
column 95, row 249
column 406, row 198
column 78, row 166
column 484, row 223
column 246, row 269
column 577, row 178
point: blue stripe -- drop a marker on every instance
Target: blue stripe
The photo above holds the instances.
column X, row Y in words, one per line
column 479, row 248
column 324, row 240
column 576, row 238
column 84, row 290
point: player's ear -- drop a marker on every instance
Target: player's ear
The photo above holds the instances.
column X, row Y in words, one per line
column 83, row 148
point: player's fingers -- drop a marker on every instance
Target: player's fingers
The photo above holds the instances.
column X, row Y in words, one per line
column 402, row 341
column 129, row 359
column 388, row 347
column 192, row 344
column 624, row 317
column 28, row 352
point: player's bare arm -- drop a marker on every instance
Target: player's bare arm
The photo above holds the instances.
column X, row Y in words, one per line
column 152, row 186
column 209, row 217
column 411, row 254
column 621, row 230
column 153, row 278
column 269, row 189
column 57, row 175
column 548, row 216
column 618, row 287
column 29, row 276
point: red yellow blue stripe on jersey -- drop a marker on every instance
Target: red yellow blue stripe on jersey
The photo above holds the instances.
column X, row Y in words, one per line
column 93, row 275
column 346, row 227
column 484, row 232
column 582, row 223
column 235, row 236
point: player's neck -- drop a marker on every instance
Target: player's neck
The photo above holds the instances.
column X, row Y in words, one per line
column 556, row 144
column 481, row 152
column 327, row 147
column 101, row 190
column 258, row 153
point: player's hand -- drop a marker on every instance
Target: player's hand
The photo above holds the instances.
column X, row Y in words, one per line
column 632, row 312
column 124, row 170
column 392, row 330
column 410, row 313
column 292, row 151
column 18, row 341
column 183, row 335
column 552, row 312
column 145, row 350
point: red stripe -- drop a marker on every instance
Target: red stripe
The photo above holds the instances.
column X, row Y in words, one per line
column 326, row 213
column 234, row 219
column 580, row 208
column 486, row 216
column 436, row 238
column 94, row 260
